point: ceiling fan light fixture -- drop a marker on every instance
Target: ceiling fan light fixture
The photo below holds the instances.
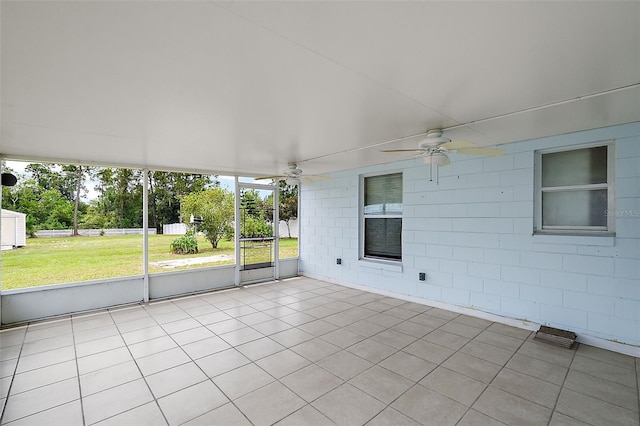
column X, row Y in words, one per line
column 292, row 181
column 436, row 158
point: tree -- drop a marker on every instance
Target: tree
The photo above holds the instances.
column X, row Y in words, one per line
column 78, row 175
column 215, row 206
column 288, row 204
column 165, row 191
column 288, row 200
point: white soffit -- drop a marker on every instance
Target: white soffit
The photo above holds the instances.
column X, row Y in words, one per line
column 245, row 87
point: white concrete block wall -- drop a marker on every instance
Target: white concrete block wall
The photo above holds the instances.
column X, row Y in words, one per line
column 473, row 236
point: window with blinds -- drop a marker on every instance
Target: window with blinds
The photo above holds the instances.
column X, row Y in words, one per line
column 382, row 217
column 575, row 190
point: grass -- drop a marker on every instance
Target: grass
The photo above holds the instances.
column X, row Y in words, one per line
column 47, row 261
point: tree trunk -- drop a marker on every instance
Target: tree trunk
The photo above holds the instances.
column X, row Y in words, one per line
column 77, row 203
column 288, row 228
column 152, row 199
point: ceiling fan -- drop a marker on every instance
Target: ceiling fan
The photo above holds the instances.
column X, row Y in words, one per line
column 435, row 147
column 293, row 176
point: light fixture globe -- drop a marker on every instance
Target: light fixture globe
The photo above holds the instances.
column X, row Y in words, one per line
column 291, row 181
column 437, row 158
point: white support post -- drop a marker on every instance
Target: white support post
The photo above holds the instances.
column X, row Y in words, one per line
column 276, row 231
column 145, row 232
column 1, row 170
column 237, row 231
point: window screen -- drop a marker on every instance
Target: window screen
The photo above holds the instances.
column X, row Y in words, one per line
column 575, row 190
column 382, row 217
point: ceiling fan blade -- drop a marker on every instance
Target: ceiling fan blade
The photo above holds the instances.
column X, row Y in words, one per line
column 270, row 178
column 317, row 177
column 481, row 151
column 402, row 150
column 457, row 145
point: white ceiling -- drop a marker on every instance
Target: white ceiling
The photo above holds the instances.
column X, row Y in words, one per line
column 245, row 87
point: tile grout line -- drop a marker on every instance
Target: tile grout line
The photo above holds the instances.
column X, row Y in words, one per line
column 210, row 379
column 573, row 357
column 497, row 374
column 75, row 357
column 13, row 375
column 139, row 370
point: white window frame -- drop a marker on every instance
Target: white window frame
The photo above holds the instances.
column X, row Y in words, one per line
column 385, row 216
column 607, row 230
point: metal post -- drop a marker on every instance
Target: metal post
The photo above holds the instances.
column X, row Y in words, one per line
column 276, row 231
column 237, row 230
column 145, row 233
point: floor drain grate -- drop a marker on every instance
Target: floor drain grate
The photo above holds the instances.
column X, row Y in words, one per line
column 556, row 336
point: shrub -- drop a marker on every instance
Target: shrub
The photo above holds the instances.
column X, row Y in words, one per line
column 186, row 244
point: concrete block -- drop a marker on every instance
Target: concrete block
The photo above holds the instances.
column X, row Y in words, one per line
column 516, row 177
column 523, row 160
column 534, row 293
column 439, row 224
column 502, row 257
column 517, row 209
column 588, row 264
column 504, row 162
column 627, row 268
column 439, row 251
column 484, row 209
column 523, row 193
column 520, row 275
column 515, row 242
column 503, row 225
column 453, row 266
column 414, row 249
column 628, row 309
column 467, row 225
column 468, row 239
column 628, row 226
column 467, row 167
column 523, row 226
column 563, row 280
column 429, row 291
column 628, row 147
column 453, row 210
column 616, row 287
column 456, row 296
column 614, row 328
column 521, row 309
column 627, row 167
column 555, row 248
column 441, row 279
column 413, row 224
column 466, row 282
column 486, row 302
column 588, row 302
column 541, row 260
column 484, row 270
column 563, row 317
column 466, row 195
column 627, row 187
column 501, row 194
column 468, row 253
column 502, row 288
column 426, row 210
column 483, row 180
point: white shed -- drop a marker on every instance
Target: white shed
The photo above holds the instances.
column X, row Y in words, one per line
column 14, row 229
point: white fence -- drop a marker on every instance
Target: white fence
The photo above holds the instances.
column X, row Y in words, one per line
column 181, row 228
column 58, row 233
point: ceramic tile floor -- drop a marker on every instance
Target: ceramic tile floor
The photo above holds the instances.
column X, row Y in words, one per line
column 303, row 352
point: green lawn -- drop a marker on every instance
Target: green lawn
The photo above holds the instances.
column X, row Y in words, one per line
column 61, row 260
